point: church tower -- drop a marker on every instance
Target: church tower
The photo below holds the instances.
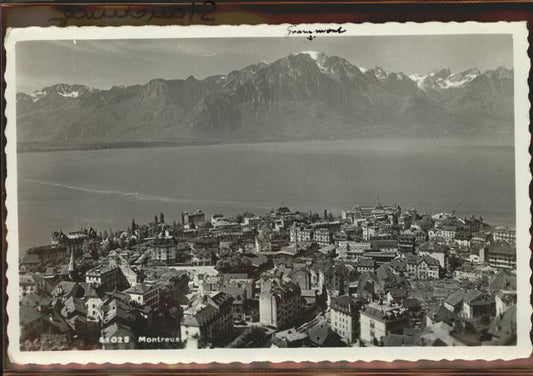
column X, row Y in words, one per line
column 72, row 270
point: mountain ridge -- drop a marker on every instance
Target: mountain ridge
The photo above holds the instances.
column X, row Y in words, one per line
column 307, row 95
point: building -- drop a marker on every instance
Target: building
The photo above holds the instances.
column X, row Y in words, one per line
column 73, row 241
column 454, row 302
column 422, row 267
column 193, row 220
column 216, row 217
column 406, row 243
column 344, row 314
column 163, row 251
column 144, row 294
column 30, row 263
column 52, row 254
column 380, row 320
column 322, row 236
column 447, row 233
column 27, row 285
column 501, row 254
column 268, row 241
column 252, row 221
column 436, row 250
column 279, row 302
column 463, row 238
column 427, row 268
column 94, row 299
column 505, row 234
column 366, row 265
column 207, row 320
column 477, row 303
column 504, row 300
column 300, row 234
column 350, row 250
column 110, row 277
column 503, row 280
column 474, row 223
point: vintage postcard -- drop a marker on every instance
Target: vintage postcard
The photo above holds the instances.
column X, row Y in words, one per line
column 268, row 193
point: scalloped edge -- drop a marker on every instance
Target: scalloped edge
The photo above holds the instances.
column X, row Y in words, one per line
column 273, row 357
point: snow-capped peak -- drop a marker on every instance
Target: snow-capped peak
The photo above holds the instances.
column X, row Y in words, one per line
column 319, row 59
column 363, row 70
column 379, row 73
column 444, row 79
column 63, row 90
column 313, row 54
column 417, row 78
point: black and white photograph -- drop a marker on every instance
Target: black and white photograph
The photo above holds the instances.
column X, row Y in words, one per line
column 323, row 197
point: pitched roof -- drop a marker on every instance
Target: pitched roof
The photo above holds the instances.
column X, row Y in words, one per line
column 501, row 247
column 139, row 288
column 27, row 315
column 433, row 247
column 440, row 313
column 398, row 293
column 429, row 260
column 199, row 316
column 346, row 303
column 478, row 297
column 455, row 298
column 504, row 327
column 366, row 262
column 31, row 259
column 503, row 280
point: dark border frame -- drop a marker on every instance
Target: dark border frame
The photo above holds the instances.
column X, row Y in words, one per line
column 121, row 12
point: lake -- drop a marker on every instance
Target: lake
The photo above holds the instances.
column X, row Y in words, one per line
column 107, row 188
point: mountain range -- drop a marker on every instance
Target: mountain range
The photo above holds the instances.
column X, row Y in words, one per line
column 307, row 95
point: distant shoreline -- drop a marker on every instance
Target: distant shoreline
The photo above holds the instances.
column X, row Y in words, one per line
column 32, row 147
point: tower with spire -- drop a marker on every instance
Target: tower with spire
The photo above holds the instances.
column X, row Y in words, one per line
column 72, row 270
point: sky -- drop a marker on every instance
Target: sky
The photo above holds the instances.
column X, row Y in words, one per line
column 106, row 63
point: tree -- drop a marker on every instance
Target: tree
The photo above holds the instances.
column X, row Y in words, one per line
column 133, row 225
column 325, row 214
column 426, row 223
column 161, row 217
column 234, row 263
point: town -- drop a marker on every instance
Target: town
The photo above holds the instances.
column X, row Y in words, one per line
column 374, row 276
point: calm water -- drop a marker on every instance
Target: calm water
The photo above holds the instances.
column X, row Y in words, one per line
column 107, row 188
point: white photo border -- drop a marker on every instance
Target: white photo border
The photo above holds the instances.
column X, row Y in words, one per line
column 522, row 349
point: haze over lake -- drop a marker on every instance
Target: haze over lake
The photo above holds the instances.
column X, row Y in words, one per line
column 107, row 188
